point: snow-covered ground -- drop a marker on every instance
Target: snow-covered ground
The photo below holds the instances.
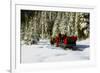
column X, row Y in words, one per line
column 44, row 52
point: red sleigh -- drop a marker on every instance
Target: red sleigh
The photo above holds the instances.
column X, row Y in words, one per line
column 64, row 41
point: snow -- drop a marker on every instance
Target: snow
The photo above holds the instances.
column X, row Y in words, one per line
column 44, row 52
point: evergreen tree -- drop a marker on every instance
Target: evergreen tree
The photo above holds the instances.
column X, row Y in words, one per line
column 44, row 24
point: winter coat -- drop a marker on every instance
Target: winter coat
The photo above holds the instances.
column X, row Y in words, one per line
column 65, row 41
column 74, row 38
column 57, row 41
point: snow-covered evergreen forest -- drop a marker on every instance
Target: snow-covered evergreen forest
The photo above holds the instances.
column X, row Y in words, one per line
column 44, row 24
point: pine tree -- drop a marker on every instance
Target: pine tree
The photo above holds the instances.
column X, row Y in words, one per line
column 44, row 24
